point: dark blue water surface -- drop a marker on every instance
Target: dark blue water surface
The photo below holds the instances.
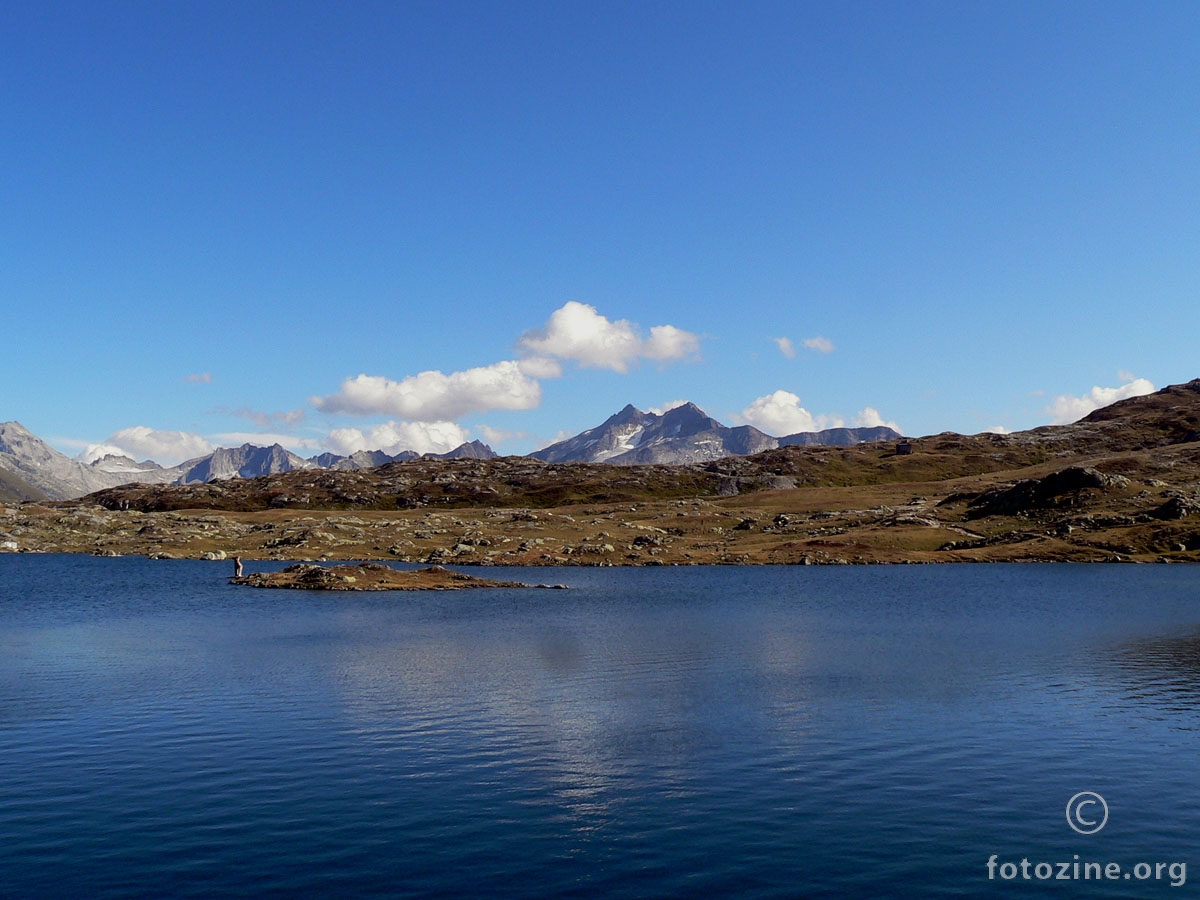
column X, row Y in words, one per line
column 672, row 732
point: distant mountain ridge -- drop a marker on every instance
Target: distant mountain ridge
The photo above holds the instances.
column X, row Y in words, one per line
column 370, row 459
column 686, row 434
column 30, row 469
column 57, row 476
column 841, row 437
column 246, row 461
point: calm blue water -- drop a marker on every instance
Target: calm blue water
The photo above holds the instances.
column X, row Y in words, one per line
column 740, row 732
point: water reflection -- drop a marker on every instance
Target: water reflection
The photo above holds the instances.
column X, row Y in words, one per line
column 585, row 706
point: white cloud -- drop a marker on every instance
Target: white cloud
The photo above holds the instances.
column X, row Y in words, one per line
column 394, row 437
column 869, row 417
column 786, row 347
column 668, row 342
column 199, row 378
column 576, row 331
column 540, row 367
column 1066, row 408
column 781, row 414
column 997, row 429
column 434, row 397
column 667, row 407
column 140, row 442
column 820, row 344
column 93, row 452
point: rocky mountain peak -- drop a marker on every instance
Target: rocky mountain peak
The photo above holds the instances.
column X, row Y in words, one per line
column 469, row 450
column 690, row 417
column 629, row 413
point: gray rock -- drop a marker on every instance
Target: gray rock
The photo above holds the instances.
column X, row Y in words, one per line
column 1057, row 489
column 1177, row 508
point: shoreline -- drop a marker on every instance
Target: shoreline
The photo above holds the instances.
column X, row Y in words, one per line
column 330, row 561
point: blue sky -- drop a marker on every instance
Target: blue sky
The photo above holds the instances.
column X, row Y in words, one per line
column 345, row 226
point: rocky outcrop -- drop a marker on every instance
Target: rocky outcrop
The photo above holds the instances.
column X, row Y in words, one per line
column 1057, row 489
column 1177, row 508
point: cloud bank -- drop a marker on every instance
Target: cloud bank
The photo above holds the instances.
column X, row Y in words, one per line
column 1065, row 408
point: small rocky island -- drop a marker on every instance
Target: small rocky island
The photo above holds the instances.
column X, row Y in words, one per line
column 370, row 577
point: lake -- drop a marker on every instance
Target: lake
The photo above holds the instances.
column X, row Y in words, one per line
column 754, row 732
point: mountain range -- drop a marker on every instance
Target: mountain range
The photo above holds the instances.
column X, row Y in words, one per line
column 686, row 434
column 32, row 470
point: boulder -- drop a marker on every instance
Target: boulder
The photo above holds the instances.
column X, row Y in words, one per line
column 1056, row 489
column 1177, row 508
